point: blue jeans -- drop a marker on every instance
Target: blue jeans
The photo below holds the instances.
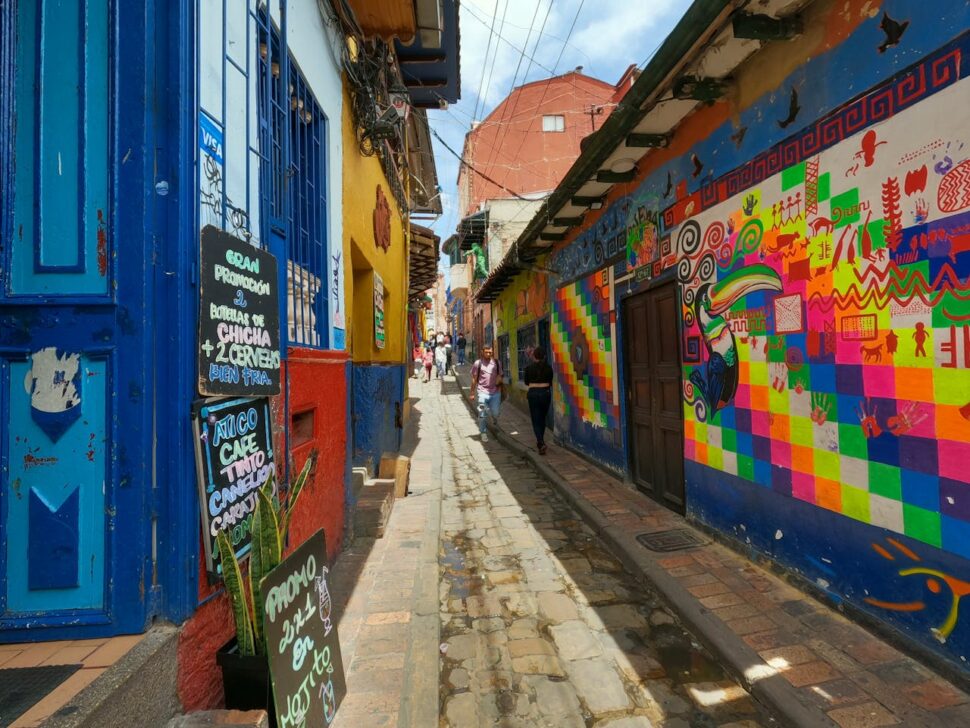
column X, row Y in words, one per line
column 461, row 356
column 488, row 403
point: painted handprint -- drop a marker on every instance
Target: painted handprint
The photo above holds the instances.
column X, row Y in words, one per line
column 750, row 202
column 778, row 373
column 867, row 418
column 910, row 415
column 821, row 405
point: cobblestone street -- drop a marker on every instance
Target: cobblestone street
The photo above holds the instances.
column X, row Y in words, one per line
column 540, row 625
column 490, row 602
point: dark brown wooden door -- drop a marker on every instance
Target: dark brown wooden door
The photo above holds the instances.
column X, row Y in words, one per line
column 653, row 385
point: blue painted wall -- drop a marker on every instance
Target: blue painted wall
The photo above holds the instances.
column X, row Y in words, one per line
column 838, row 555
column 79, row 221
column 378, row 395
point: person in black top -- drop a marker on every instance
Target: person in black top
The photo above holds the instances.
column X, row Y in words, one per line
column 538, row 378
column 461, row 344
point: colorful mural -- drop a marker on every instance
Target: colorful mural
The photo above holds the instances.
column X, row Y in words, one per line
column 826, row 312
column 824, row 270
column 582, row 344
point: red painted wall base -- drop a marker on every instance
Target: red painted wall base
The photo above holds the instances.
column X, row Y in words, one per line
column 318, row 415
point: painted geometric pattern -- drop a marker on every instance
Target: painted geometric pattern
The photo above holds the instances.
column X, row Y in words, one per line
column 582, row 349
column 832, row 306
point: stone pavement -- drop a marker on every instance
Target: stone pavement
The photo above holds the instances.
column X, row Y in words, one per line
column 834, row 671
column 541, row 626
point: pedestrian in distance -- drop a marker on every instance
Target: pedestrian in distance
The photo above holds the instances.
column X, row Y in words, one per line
column 417, row 358
column 428, row 363
column 440, row 360
column 538, row 378
column 448, row 352
column 486, row 387
column 461, row 344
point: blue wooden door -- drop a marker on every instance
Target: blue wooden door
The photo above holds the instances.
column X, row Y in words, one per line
column 75, row 384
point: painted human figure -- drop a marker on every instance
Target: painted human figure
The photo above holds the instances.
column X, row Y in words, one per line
column 920, row 336
column 891, row 342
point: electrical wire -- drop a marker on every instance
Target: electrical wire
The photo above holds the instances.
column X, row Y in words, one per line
column 484, row 92
column 554, row 67
column 505, row 130
column 488, row 47
column 474, row 169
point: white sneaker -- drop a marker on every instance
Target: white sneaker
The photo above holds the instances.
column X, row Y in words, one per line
column 484, row 437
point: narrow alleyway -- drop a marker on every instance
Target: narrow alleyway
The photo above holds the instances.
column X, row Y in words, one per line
column 543, row 627
column 539, row 624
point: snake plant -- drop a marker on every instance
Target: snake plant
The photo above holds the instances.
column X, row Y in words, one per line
column 270, row 526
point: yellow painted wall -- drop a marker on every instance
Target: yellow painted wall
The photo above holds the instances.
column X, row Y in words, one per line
column 524, row 301
column 362, row 257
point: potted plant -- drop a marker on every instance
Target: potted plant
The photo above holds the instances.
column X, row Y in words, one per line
column 245, row 667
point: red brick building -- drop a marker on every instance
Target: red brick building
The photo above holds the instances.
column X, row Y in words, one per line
column 530, row 139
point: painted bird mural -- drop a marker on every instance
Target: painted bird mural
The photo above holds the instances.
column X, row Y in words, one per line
column 718, row 381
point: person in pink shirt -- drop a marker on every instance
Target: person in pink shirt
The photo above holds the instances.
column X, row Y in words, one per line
column 486, row 387
column 428, row 363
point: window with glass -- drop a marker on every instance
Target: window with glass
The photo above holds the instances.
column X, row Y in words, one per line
column 554, row 122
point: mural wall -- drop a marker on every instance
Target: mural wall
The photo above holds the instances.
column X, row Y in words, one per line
column 824, row 266
column 826, row 304
column 582, row 336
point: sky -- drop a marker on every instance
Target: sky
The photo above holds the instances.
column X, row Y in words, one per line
column 607, row 37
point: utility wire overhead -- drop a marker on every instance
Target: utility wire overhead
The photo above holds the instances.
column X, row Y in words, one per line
column 476, row 171
column 514, row 47
column 484, row 92
column 488, row 46
column 518, row 65
column 554, row 67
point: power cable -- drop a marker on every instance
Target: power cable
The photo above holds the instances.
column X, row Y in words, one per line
column 554, row 67
column 505, row 129
column 518, row 65
column 488, row 85
column 475, row 170
column 488, row 46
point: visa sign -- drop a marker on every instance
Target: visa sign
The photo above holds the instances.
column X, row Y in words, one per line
column 210, row 138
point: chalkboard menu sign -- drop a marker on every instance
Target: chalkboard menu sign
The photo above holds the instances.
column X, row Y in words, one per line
column 234, row 459
column 239, row 318
column 301, row 638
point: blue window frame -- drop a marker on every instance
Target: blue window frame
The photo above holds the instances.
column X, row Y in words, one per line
column 293, row 186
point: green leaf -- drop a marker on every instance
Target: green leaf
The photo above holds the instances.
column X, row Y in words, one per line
column 295, row 491
column 267, row 551
column 232, row 577
column 269, row 487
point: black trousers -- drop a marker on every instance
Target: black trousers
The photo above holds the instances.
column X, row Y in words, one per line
column 539, row 401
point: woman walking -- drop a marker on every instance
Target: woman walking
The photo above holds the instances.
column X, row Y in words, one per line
column 538, row 378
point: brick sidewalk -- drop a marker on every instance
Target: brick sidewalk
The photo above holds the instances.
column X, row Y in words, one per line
column 761, row 624
column 387, row 596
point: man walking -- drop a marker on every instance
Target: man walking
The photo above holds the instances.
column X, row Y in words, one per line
column 461, row 344
column 486, row 384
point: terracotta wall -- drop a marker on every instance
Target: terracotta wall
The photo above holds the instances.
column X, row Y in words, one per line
column 318, row 385
column 510, row 147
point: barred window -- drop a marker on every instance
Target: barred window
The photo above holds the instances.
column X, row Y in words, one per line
column 293, row 186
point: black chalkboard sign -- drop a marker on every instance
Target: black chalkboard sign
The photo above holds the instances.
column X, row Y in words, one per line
column 239, row 318
column 234, row 459
column 301, row 638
